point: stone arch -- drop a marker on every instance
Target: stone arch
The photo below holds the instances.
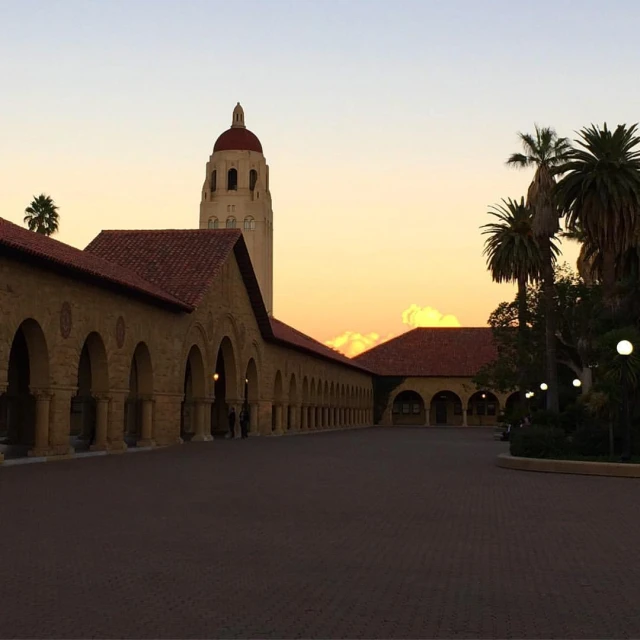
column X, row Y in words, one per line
column 483, row 408
column 446, row 409
column 195, row 390
column 226, row 393
column 408, row 408
column 251, row 395
column 138, row 415
column 22, row 425
column 92, row 382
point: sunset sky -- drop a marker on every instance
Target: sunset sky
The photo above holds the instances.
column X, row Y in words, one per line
column 386, row 125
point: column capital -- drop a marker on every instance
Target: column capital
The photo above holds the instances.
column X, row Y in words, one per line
column 102, row 397
column 146, row 397
column 202, row 400
column 41, row 394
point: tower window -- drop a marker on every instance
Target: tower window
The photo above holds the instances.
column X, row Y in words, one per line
column 213, row 223
column 249, row 224
column 214, row 180
column 232, row 180
column 228, row 208
column 231, row 222
column 253, row 178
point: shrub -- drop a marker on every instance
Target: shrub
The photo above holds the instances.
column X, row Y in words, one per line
column 546, row 418
column 538, row 441
column 590, row 440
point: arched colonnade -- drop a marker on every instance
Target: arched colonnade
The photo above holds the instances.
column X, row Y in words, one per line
column 57, row 406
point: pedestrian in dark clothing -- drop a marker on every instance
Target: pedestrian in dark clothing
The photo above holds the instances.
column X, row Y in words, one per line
column 232, row 423
column 244, row 422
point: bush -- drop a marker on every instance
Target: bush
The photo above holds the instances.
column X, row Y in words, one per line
column 574, row 417
column 590, row 440
column 538, row 441
column 546, row 418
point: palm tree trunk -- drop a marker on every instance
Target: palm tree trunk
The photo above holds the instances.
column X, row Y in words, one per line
column 522, row 341
column 548, row 291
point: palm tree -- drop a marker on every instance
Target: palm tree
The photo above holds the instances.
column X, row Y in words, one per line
column 545, row 151
column 600, row 193
column 42, row 215
column 513, row 255
column 587, row 262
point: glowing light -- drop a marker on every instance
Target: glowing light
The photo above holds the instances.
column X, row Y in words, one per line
column 624, row 348
column 577, row 382
column 216, row 376
column 544, row 386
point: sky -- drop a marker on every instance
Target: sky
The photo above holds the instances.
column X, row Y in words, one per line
column 386, row 126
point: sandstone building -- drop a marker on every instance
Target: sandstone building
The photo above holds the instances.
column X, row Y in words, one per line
column 148, row 338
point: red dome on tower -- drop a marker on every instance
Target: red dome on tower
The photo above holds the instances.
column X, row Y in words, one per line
column 238, row 137
column 238, row 140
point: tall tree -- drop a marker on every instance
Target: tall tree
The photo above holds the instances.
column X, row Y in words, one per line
column 545, row 151
column 600, row 193
column 42, row 215
column 513, row 255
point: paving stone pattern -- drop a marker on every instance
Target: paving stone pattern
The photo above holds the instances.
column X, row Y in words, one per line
column 375, row 533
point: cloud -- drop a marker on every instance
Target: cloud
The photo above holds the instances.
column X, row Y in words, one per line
column 416, row 316
column 352, row 343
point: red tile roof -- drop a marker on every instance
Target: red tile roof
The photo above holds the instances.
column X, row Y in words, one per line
column 237, row 139
column 186, row 261
column 442, row 352
column 292, row 337
column 182, row 261
column 15, row 240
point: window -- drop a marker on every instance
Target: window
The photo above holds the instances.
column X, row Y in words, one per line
column 213, row 223
column 232, row 180
column 228, row 208
column 231, row 223
column 406, row 407
column 249, row 224
column 491, row 409
column 480, row 408
column 416, row 409
column 253, row 178
column 214, row 180
column 233, row 208
column 397, row 407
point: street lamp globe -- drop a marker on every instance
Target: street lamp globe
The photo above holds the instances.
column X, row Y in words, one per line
column 577, row 382
column 624, row 348
column 544, row 386
column 216, row 376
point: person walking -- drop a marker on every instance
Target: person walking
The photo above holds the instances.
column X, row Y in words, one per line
column 244, row 422
column 232, row 423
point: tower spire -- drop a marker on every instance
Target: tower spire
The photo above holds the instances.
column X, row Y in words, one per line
column 237, row 121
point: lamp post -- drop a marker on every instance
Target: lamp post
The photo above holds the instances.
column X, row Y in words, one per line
column 625, row 349
column 577, row 383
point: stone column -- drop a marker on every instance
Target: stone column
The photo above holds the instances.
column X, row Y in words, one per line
column 115, row 426
column 43, row 409
column 146, row 439
column 304, row 413
column 199, row 408
column 60, row 421
column 278, row 430
column 464, row 418
column 3, row 389
column 311, row 424
column 254, row 409
column 103, row 403
column 296, row 420
column 264, row 420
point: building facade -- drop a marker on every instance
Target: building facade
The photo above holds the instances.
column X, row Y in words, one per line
column 149, row 338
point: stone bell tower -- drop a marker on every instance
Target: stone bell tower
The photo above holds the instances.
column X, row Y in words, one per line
column 235, row 195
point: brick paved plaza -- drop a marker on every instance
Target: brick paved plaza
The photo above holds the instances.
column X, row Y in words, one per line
column 365, row 534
